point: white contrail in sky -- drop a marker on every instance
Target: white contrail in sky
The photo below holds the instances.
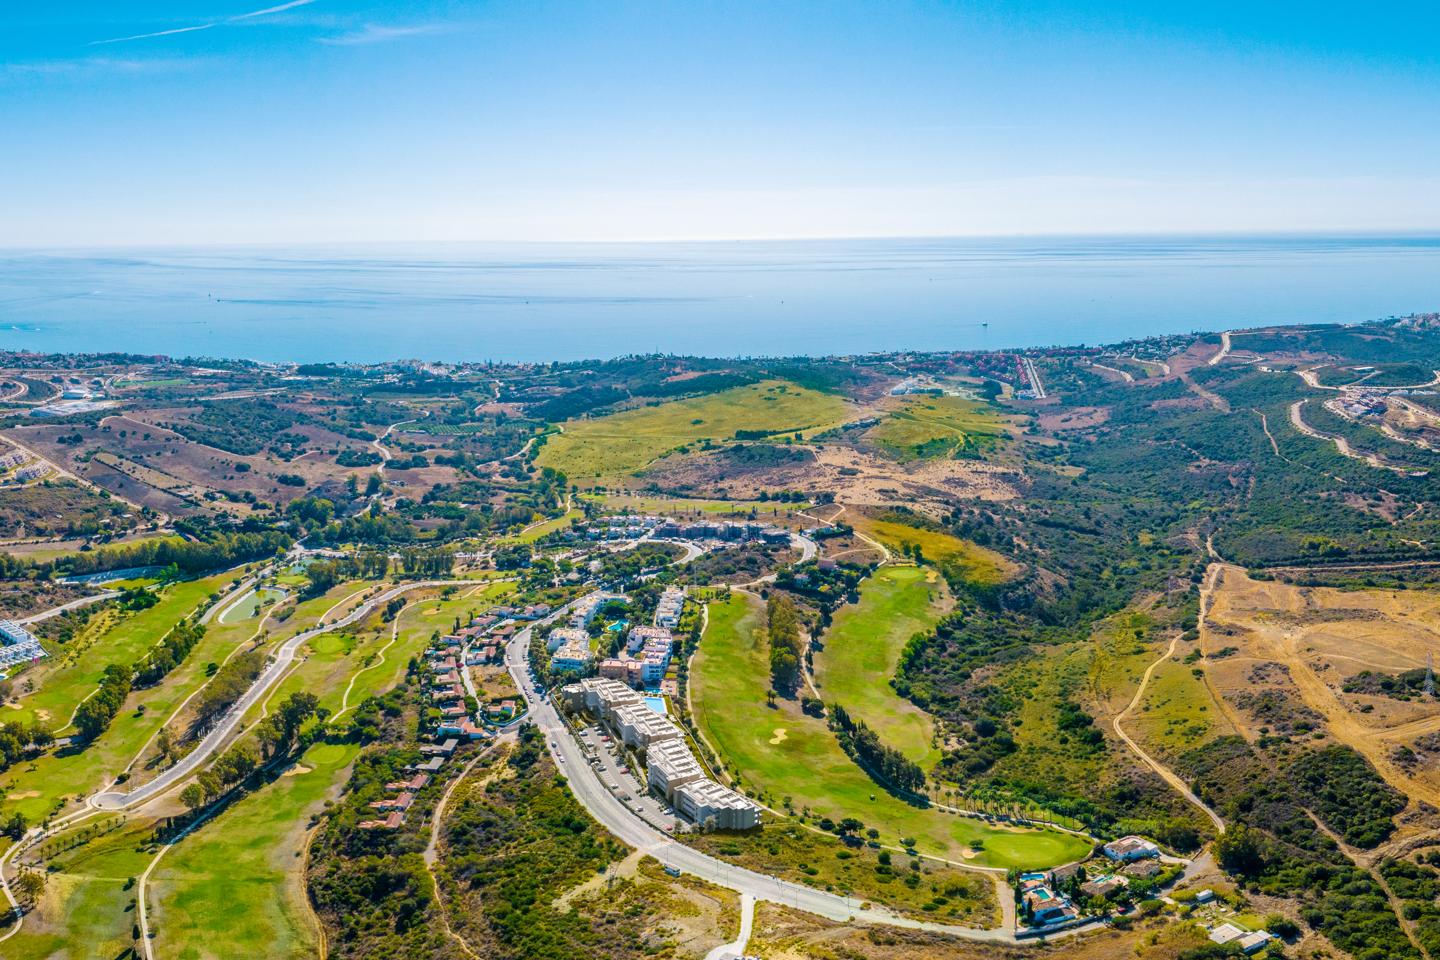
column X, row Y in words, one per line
column 147, row 36
column 281, row 8
column 292, row 4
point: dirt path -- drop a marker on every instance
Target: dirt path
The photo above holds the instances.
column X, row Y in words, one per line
column 1373, row 743
column 1224, row 349
column 1366, row 861
column 1164, row 772
column 380, row 448
column 1125, row 375
column 1207, row 600
column 1209, row 396
column 1343, row 445
column 432, row 848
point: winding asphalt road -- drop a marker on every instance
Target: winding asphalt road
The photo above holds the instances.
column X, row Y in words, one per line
column 630, row 829
column 284, row 656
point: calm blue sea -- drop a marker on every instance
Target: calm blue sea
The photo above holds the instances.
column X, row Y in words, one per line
column 573, row 301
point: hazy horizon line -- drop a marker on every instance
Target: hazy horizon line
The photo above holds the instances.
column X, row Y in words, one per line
column 1338, row 233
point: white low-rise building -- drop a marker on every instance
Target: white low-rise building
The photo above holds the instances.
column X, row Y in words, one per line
column 639, row 726
column 707, row 802
column 600, row 696
column 19, row 644
column 573, row 656
column 560, row 636
column 667, row 611
column 669, row 765
column 1130, row 848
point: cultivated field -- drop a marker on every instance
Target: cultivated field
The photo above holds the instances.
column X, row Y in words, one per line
column 790, row 756
column 623, row 443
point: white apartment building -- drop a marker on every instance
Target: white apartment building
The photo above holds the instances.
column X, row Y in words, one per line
column 707, row 801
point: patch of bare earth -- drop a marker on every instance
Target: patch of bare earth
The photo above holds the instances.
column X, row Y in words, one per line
column 784, row 934
column 1280, row 655
column 1075, row 418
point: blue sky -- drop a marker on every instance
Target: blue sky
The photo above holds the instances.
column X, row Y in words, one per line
column 330, row 120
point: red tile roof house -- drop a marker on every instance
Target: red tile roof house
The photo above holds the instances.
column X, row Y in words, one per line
column 391, row 822
column 453, row 711
column 453, row 692
column 462, row 728
column 402, row 802
column 414, row 784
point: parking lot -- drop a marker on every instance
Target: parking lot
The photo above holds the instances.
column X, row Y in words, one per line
column 619, row 781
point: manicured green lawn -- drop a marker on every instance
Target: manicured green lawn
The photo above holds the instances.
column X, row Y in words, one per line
column 541, row 529
column 623, row 443
column 36, row 788
column 863, row 646
column 85, row 910
column 234, row 888
column 785, row 754
column 70, row 675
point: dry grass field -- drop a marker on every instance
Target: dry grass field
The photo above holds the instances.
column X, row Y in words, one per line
column 1280, row 656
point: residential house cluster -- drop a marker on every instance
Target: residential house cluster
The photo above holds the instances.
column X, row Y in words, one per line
column 647, row 656
column 671, row 769
column 569, row 646
column 633, row 527
column 402, row 793
column 19, row 644
column 447, row 691
column 13, row 459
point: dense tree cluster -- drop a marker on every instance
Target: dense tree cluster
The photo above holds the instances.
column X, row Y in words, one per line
column 15, row 737
column 782, row 627
column 321, row 575
column 230, row 768
column 93, row 716
column 230, row 683
column 216, row 551
column 169, row 653
column 886, row 764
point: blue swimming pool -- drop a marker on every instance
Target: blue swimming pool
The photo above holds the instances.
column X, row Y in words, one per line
column 657, row 704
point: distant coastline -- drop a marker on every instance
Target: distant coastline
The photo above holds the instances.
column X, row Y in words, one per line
column 540, row 302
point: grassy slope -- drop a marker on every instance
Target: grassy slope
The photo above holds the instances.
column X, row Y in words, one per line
column 67, row 773
column 258, row 837
column 977, row 564
column 728, row 682
column 36, row 788
column 85, row 910
column 930, row 427
column 863, row 646
column 231, row 889
column 65, row 680
column 626, row 442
